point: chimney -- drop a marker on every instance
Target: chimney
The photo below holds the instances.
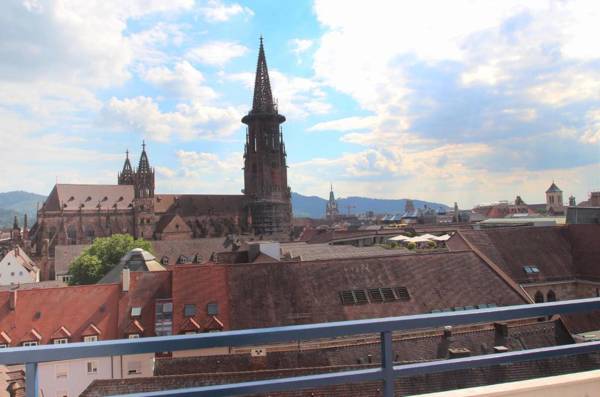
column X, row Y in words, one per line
column 13, row 299
column 126, row 277
column 447, row 331
column 501, row 329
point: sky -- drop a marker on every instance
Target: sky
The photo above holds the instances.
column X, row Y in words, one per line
column 448, row 101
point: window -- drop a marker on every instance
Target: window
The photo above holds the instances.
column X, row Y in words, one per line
column 30, row 343
column 92, row 367
column 551, row 296
column 134, row 367
column 189, row 310
column 65, row 278
column 60, row 341
column 531, row 269
column 134, row 336
column 136, row 311
column 539, row 297
column 402, row 293
column 90, row 338
column 61, row 370
column 164, row 318
column 3, row 345
column 354, row 297
column 20, row 273
column 212, row 309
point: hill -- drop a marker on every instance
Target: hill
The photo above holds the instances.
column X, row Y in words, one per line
column 18, row 203
column 314, row 207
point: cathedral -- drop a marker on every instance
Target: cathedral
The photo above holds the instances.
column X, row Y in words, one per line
column 78, row 213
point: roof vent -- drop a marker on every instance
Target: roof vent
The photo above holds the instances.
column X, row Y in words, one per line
column 447, row 331
column 37, row 315
column 500, row 349
column 458, row 352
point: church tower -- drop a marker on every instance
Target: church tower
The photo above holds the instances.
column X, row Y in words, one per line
column 265, row 168
column 144, row 217
column 331, row 210
column 126, row 177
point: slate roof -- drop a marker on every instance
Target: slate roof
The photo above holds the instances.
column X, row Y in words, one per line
column 553, row 189
column 308, row 252
column 204, row 247
column 72, row 197
column 287, row 293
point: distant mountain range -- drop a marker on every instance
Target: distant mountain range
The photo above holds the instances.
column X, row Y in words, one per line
column 314, row 207
column 19, row 203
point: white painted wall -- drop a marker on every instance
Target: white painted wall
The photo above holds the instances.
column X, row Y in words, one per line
column 12, row 270
column 52, row 383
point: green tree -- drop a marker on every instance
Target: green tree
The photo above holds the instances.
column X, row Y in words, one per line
column 99, row 258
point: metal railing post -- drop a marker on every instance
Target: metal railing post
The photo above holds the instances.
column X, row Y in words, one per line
column 387, row 363
column 31, row 378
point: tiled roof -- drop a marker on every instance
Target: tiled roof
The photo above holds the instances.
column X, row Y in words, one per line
column 198, row 204
column 47, row 310
column 320, row 251
column 197, row 371
column 38, row 285
column 72, row 197
column 200, row 285
column 64, row 255
column 553, row 189
column 514, row 248
column 308, row 292
column 173, row 220
column 172, row 249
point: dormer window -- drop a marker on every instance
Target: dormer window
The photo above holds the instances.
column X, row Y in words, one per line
column 189, row 310
column 133, row 336
column 90, row 338
column 136, row 312
column 30, row 343
column 60, row 341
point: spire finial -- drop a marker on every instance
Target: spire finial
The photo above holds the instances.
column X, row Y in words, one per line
column 127, row 153
column 261, row 39
column 143, row 145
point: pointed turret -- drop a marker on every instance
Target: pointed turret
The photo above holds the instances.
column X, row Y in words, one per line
column 126, row 175
column 331, row 210
column 263, row 98
column 144, row 176
column 16, row 224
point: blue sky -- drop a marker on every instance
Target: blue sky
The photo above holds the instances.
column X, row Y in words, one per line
column 468, row 101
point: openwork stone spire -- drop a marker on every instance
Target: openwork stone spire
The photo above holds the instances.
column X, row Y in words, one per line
column 144, row 165
column 263, row 98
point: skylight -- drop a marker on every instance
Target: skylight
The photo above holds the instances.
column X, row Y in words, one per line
column 531, row 269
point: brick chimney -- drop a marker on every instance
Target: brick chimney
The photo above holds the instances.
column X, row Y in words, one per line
column 501, row 329
column 126, row 279
column 13, row 299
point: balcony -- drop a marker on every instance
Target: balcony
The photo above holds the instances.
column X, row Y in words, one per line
column 386, row 372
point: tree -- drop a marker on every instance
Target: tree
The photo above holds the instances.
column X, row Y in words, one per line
column 104, row 254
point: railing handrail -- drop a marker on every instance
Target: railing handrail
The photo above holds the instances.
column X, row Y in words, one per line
column 253, row 337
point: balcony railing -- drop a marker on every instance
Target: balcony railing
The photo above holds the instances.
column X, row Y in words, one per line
column 387, row 372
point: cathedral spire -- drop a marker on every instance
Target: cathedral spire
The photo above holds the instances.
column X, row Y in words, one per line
column 126, row 175
column 263, row 98
column 144, row 164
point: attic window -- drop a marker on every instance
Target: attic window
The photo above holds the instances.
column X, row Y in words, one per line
column 105, row 198
column 212, row 309
column 531, row 269
column 89, row 198
column 136, row 311
column 71, row 198
column 189, row 310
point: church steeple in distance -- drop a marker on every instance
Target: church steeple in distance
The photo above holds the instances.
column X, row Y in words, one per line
column 144, row 176
column 125, row 177
column 265, row 168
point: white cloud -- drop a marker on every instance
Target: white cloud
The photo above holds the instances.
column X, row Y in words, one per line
column 566, row 86
column 187, row 121
column 183, row 81
column 591, row 133
column 346, row 124
column 216, row 53
column 300, row 46
column 217, row 11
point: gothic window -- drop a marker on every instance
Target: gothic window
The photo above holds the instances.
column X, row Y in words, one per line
column 539, row 297
column 255, row 143
column 551, row 297
column 90, row 233
column 72, row 235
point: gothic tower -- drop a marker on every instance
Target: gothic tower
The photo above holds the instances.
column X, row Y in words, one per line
column 144, row 217
column 331, row 210
column 126, row 176
column 265, row 168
